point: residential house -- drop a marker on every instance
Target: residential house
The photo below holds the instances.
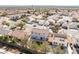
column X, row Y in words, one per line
column 4, row 30
column 62, row 37
column 73, row 25
column 4, row 19
column 51, row 21
column 65, row 25
column 74, row 34
column 40, row 33
column 15, row 17
column 41, row 22
column 58, row 39
column 20, row 34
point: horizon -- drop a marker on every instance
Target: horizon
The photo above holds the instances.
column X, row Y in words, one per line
column 36, row 6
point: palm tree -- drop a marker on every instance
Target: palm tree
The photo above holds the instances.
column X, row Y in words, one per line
column 5, row 38
column 23, row 16
column 1, row 38
column 13, row 27
column 46, row 47
column 25, row 19
column 5, row 23
column 24, row 41
column 55, row 28
column 21, row 24
column 4, row 14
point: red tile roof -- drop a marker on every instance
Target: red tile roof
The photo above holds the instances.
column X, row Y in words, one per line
column 20, row 34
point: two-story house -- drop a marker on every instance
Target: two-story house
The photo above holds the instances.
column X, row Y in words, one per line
column 40, row 33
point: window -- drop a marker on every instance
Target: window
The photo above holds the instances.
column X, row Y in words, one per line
column 41, row 38
column 55, row 43
column 61, row 40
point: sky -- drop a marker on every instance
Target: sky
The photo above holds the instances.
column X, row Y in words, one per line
column 40, row 2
